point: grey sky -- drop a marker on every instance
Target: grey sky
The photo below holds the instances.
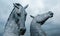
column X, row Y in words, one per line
column 51, row 27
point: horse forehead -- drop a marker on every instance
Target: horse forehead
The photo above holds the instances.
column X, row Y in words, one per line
column 24, row 11
column 39, row 17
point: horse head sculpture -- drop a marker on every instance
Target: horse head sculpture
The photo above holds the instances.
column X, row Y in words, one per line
column 35, row 27
column 15, row 25
column 43, row 17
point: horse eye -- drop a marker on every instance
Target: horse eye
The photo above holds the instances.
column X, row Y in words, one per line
column 25, row 14
column 18, row 14
column 41, row 23
column 38, row 22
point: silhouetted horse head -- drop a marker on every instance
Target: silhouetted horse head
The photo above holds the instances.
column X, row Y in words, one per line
column 35, row 27
column 17, row 16
column 43, row 17
column 20, row 17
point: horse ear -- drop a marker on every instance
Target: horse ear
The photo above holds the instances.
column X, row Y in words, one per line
column 15, row 5
column 25, row 6
column 31, row 16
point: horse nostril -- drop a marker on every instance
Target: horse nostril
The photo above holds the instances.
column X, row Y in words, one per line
column 22, row 31
column 51, row 14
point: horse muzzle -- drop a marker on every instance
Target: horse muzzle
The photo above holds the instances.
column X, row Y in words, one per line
column 22, row 31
